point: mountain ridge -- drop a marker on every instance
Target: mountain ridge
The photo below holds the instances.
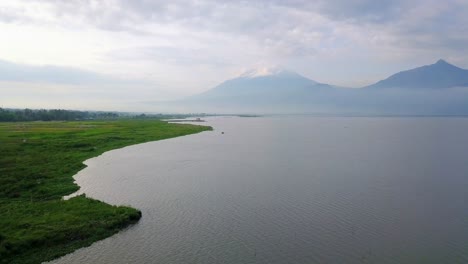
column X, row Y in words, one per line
column 279, row 81
column 424, row 90
column 434, row 76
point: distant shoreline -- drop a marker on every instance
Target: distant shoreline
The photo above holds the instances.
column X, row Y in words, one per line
column 184, row 120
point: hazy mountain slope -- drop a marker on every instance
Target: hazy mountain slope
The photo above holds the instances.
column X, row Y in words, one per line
column 272, row 91
column 434, row 76
column 437, row 89
column 278, row 82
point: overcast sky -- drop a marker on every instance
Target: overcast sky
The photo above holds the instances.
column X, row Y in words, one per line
column 90, row 54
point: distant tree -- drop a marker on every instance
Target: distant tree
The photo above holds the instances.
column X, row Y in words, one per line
column 15, row 115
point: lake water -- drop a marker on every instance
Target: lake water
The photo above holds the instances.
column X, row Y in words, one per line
column 290, row 190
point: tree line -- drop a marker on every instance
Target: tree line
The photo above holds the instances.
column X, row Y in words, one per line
column 15, row 115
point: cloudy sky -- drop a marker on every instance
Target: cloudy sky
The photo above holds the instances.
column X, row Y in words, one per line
column 114, row 54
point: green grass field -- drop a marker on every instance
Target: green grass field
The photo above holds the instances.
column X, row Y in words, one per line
column 37, row 162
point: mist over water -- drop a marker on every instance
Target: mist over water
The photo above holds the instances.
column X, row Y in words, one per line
column 290, row 190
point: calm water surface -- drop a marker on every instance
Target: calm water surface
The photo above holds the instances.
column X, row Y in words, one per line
column 290, row 190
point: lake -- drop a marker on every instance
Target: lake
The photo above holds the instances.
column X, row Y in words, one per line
column 291, row 189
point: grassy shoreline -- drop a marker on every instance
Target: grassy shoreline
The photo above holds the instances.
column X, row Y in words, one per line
column 37, row 164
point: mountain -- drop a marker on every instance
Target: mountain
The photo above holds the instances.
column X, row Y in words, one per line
column 262, row 82
column 439, row 75
column 437, row 89
column 266, row 90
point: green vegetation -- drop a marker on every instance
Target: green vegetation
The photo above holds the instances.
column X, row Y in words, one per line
column 37, row 162
column 21, row 115
column 16, row 115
